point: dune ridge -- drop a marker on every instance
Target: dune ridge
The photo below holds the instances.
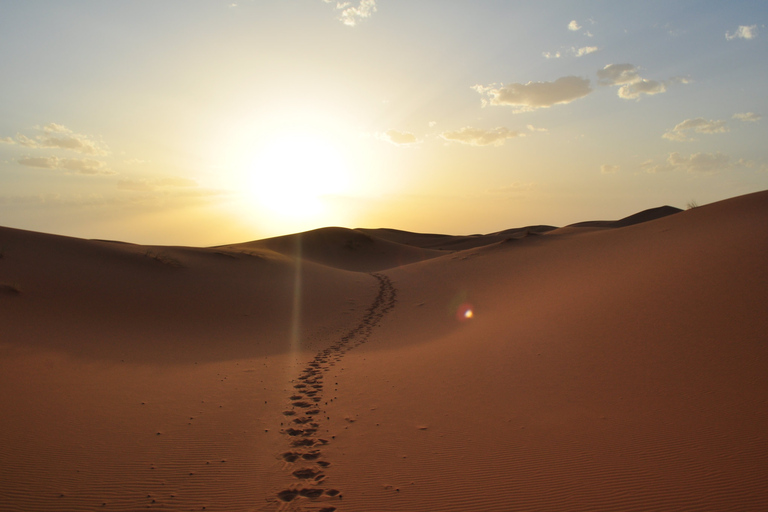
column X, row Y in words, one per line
column 606, row 365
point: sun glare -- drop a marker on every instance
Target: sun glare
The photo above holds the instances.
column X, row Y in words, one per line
column 292, row 174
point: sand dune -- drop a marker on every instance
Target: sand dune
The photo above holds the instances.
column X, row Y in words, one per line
column 343, row 248
column 611, row 365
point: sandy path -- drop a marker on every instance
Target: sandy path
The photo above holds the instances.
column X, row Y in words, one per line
column 304, row 430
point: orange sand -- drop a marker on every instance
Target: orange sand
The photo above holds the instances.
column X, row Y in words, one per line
column 604, row 366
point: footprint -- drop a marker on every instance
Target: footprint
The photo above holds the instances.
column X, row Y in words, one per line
column 309, row 392
column 287, row 495
column 290, row 456
column 306, row 473
column 311, row 493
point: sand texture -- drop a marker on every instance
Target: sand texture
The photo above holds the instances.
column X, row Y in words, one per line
column 601, row 366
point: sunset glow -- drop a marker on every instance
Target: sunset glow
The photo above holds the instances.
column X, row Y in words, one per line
column 206, row 121
column 292, row 175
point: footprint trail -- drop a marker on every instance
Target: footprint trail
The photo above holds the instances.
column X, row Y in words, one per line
column 303, row 419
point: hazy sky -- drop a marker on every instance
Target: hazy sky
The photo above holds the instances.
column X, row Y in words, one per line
column 202, row 122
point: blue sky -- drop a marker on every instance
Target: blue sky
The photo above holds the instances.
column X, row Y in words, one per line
column 204, row 122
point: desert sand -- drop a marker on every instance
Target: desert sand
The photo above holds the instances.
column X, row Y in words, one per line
column 605, row 365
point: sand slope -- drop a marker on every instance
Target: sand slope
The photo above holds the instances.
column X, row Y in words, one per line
column 612, row 368
column 348, row 249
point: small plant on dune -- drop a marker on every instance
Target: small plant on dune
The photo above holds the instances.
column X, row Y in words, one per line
column 163, row 258
column 691, row 205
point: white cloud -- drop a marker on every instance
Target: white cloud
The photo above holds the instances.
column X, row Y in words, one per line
column 635, row 90
column 586, row 50
column 7, row 140
column 748, row 116
column 57, row 136
column 534, row 95
column 697, row 125
column 350, row 15
column 618, row 74
column 632, row 84
column 576, row 52
column 609, row 169
column 399, row 138
column 77, row 165
column 574, row 26
column 743, row 32
column 480, row 137
column 534, row 129
column 696, row 163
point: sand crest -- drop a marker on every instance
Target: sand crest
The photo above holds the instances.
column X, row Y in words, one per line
column 611, row 365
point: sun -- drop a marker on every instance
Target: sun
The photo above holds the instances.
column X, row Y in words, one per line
column 292, row 175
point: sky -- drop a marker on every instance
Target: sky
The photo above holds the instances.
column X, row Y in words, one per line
column 206, row 122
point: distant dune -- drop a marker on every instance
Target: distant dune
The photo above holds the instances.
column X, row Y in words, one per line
column 605, row 365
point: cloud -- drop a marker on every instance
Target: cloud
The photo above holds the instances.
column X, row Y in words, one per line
column 586, row 50
column 479, row 137
column 146, row 185
column 697, row 163
column 609, row 169
column 743, row 32
column 576, row 52
column 57, row 136
column 351, row 15
column 534, row 95
column 698, row 125
column 748, row 116
column 649, row 87
column 7, row 140
column 632, row 84
column 77, row 165
column 574, row 26
column 618, row 74
column 399, row 138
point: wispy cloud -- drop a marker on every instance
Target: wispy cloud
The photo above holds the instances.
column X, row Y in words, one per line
column 480, row 137
column 743, row 32
column 399, row 138
column 77, row 165
column 513, row 190
column 535, row 95
column 574, row 26
column 584, row 50
column 696, row 163
column 618, row 74
column 57, row 136
column 150, row 185
column 748, row 116
column 698, row 125
column 351, row 15
column 632, row 85
column 573, row 51
column 609, row 169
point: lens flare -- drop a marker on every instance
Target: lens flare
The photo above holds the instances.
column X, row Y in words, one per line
column 465, row 312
